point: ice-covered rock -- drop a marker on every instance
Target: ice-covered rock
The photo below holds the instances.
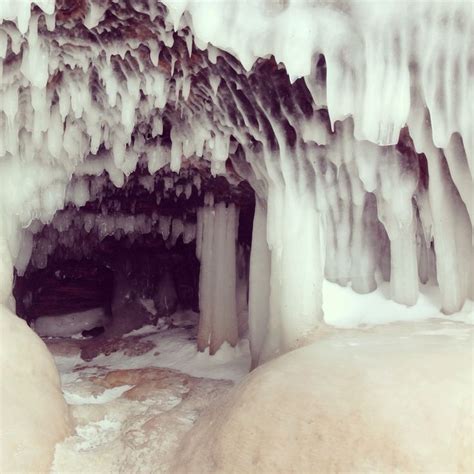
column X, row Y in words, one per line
column 393, row 399
column 33, row 413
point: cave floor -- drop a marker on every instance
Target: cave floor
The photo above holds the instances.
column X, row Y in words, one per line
column 133, row 399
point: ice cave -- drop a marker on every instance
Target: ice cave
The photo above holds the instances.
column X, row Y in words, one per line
column 236, row 236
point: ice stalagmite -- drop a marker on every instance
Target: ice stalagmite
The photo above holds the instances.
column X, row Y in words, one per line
column 217, row 285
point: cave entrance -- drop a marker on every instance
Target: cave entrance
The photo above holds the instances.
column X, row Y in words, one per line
column 118, row 259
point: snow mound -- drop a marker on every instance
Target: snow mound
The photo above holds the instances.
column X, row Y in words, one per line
column 33, row 414
column 390, row 399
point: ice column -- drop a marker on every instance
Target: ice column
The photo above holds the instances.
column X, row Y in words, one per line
column 6, row 272
column 217, row 230
column 296, row 276
column 259, row 292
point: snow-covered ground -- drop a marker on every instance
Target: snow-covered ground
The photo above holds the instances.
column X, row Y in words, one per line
column 132, row 406
column 344, row 308
column 172, row 348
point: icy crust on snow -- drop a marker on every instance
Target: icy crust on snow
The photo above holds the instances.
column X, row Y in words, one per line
column 177, row 351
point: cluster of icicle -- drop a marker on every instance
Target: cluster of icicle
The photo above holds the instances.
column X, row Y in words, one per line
column 340, row 202
column 350, row 205
column 78, row 234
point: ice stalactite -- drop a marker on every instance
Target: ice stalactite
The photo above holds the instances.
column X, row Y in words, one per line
column 363, row 257
column 446, row 216
column 452, row 235
column 216, row 249
column 286, row 263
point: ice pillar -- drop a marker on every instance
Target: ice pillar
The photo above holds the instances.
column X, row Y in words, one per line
column 259, row 291
column 295, row 269
column 217, row 229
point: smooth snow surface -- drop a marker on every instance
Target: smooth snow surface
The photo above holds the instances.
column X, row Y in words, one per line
column 346, row 309
column 392, row 398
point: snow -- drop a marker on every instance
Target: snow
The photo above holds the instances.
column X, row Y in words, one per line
column 177, row 351
column 33, row 414
column 391, row 398
column 174, row 349
column 344, row 308
column 113, row 427
column 96, row 433
column 105, row 397
column 144, row 330
column 69, row 324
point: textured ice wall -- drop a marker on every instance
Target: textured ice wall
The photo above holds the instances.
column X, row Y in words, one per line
column 356, row 135
column 376, row 52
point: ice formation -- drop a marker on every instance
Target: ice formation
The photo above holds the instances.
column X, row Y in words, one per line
column 69, row 324
column 217, row 227
column 350, row 120
column 352, row 401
